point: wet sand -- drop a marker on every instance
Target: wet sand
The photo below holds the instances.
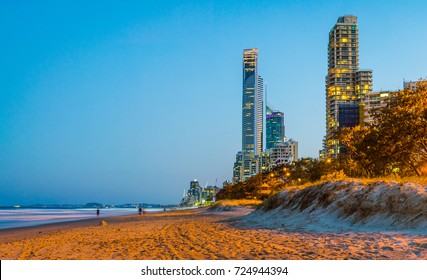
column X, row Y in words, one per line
column 198, row 234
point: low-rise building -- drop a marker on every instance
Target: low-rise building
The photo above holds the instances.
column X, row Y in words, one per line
column 209, row 193
column 373, row 102
column 413, row 85
column 264, row 162
column 284, row 153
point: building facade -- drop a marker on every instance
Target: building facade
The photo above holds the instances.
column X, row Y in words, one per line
column 252, row 104
column 197, row 195
column 274, row 127
column 237, row 168
column 373, row 102
column 284, row 153
column 264, row 162
column 345, row 83
column 208, row 194
column 413, row 85
column 193, row 196
column 252, row 112
column 348, row 115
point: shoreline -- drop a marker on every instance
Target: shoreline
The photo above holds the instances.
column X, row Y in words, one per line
column 18, row 233
column 30, row 217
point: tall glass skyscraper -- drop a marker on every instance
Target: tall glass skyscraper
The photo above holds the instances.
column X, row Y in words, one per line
column 252, row 104
column 274, row 127
column 252, row 112
column 345, row 83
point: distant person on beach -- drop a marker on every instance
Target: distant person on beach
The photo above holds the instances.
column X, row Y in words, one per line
column 97, row 212
column 144, row 211
column 140, row 210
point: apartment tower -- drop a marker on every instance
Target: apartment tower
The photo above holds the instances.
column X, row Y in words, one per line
column 274, row 127
column 345, row 83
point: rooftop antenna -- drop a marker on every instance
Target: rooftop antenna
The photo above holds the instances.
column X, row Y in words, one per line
column 266, row 94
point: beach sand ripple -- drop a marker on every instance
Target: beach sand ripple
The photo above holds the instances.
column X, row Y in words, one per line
column 199, row 234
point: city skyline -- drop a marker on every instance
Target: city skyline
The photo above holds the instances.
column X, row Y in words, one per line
column 117, row 103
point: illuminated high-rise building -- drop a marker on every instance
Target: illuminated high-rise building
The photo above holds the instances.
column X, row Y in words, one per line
column 252, row 104
column 237, row 168
column 274, row 128
column 345, row 83
column 252, row 112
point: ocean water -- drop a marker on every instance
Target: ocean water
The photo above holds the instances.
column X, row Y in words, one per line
column 17, row 217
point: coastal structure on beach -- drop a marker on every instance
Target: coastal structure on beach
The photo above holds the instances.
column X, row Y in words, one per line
column 346, row 85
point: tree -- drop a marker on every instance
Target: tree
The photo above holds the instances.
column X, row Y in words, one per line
column 297, row 173
column 396, row 142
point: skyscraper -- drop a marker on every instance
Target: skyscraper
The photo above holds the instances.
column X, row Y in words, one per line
column 345, row 83
column 274, row 128
column 252, row 111
column 252, row 104
column 259, row 116
column 237, row 168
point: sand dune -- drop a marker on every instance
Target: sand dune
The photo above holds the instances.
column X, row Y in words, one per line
column 199, row 234
column 348, row 205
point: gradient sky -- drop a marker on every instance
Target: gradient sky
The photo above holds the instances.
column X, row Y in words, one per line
column 127, row 101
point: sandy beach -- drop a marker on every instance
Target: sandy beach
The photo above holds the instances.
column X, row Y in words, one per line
column 198, row 234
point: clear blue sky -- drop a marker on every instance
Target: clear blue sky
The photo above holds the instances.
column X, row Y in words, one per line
column 127, row 101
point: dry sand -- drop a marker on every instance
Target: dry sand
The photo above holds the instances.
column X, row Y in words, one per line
column 198, row 234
